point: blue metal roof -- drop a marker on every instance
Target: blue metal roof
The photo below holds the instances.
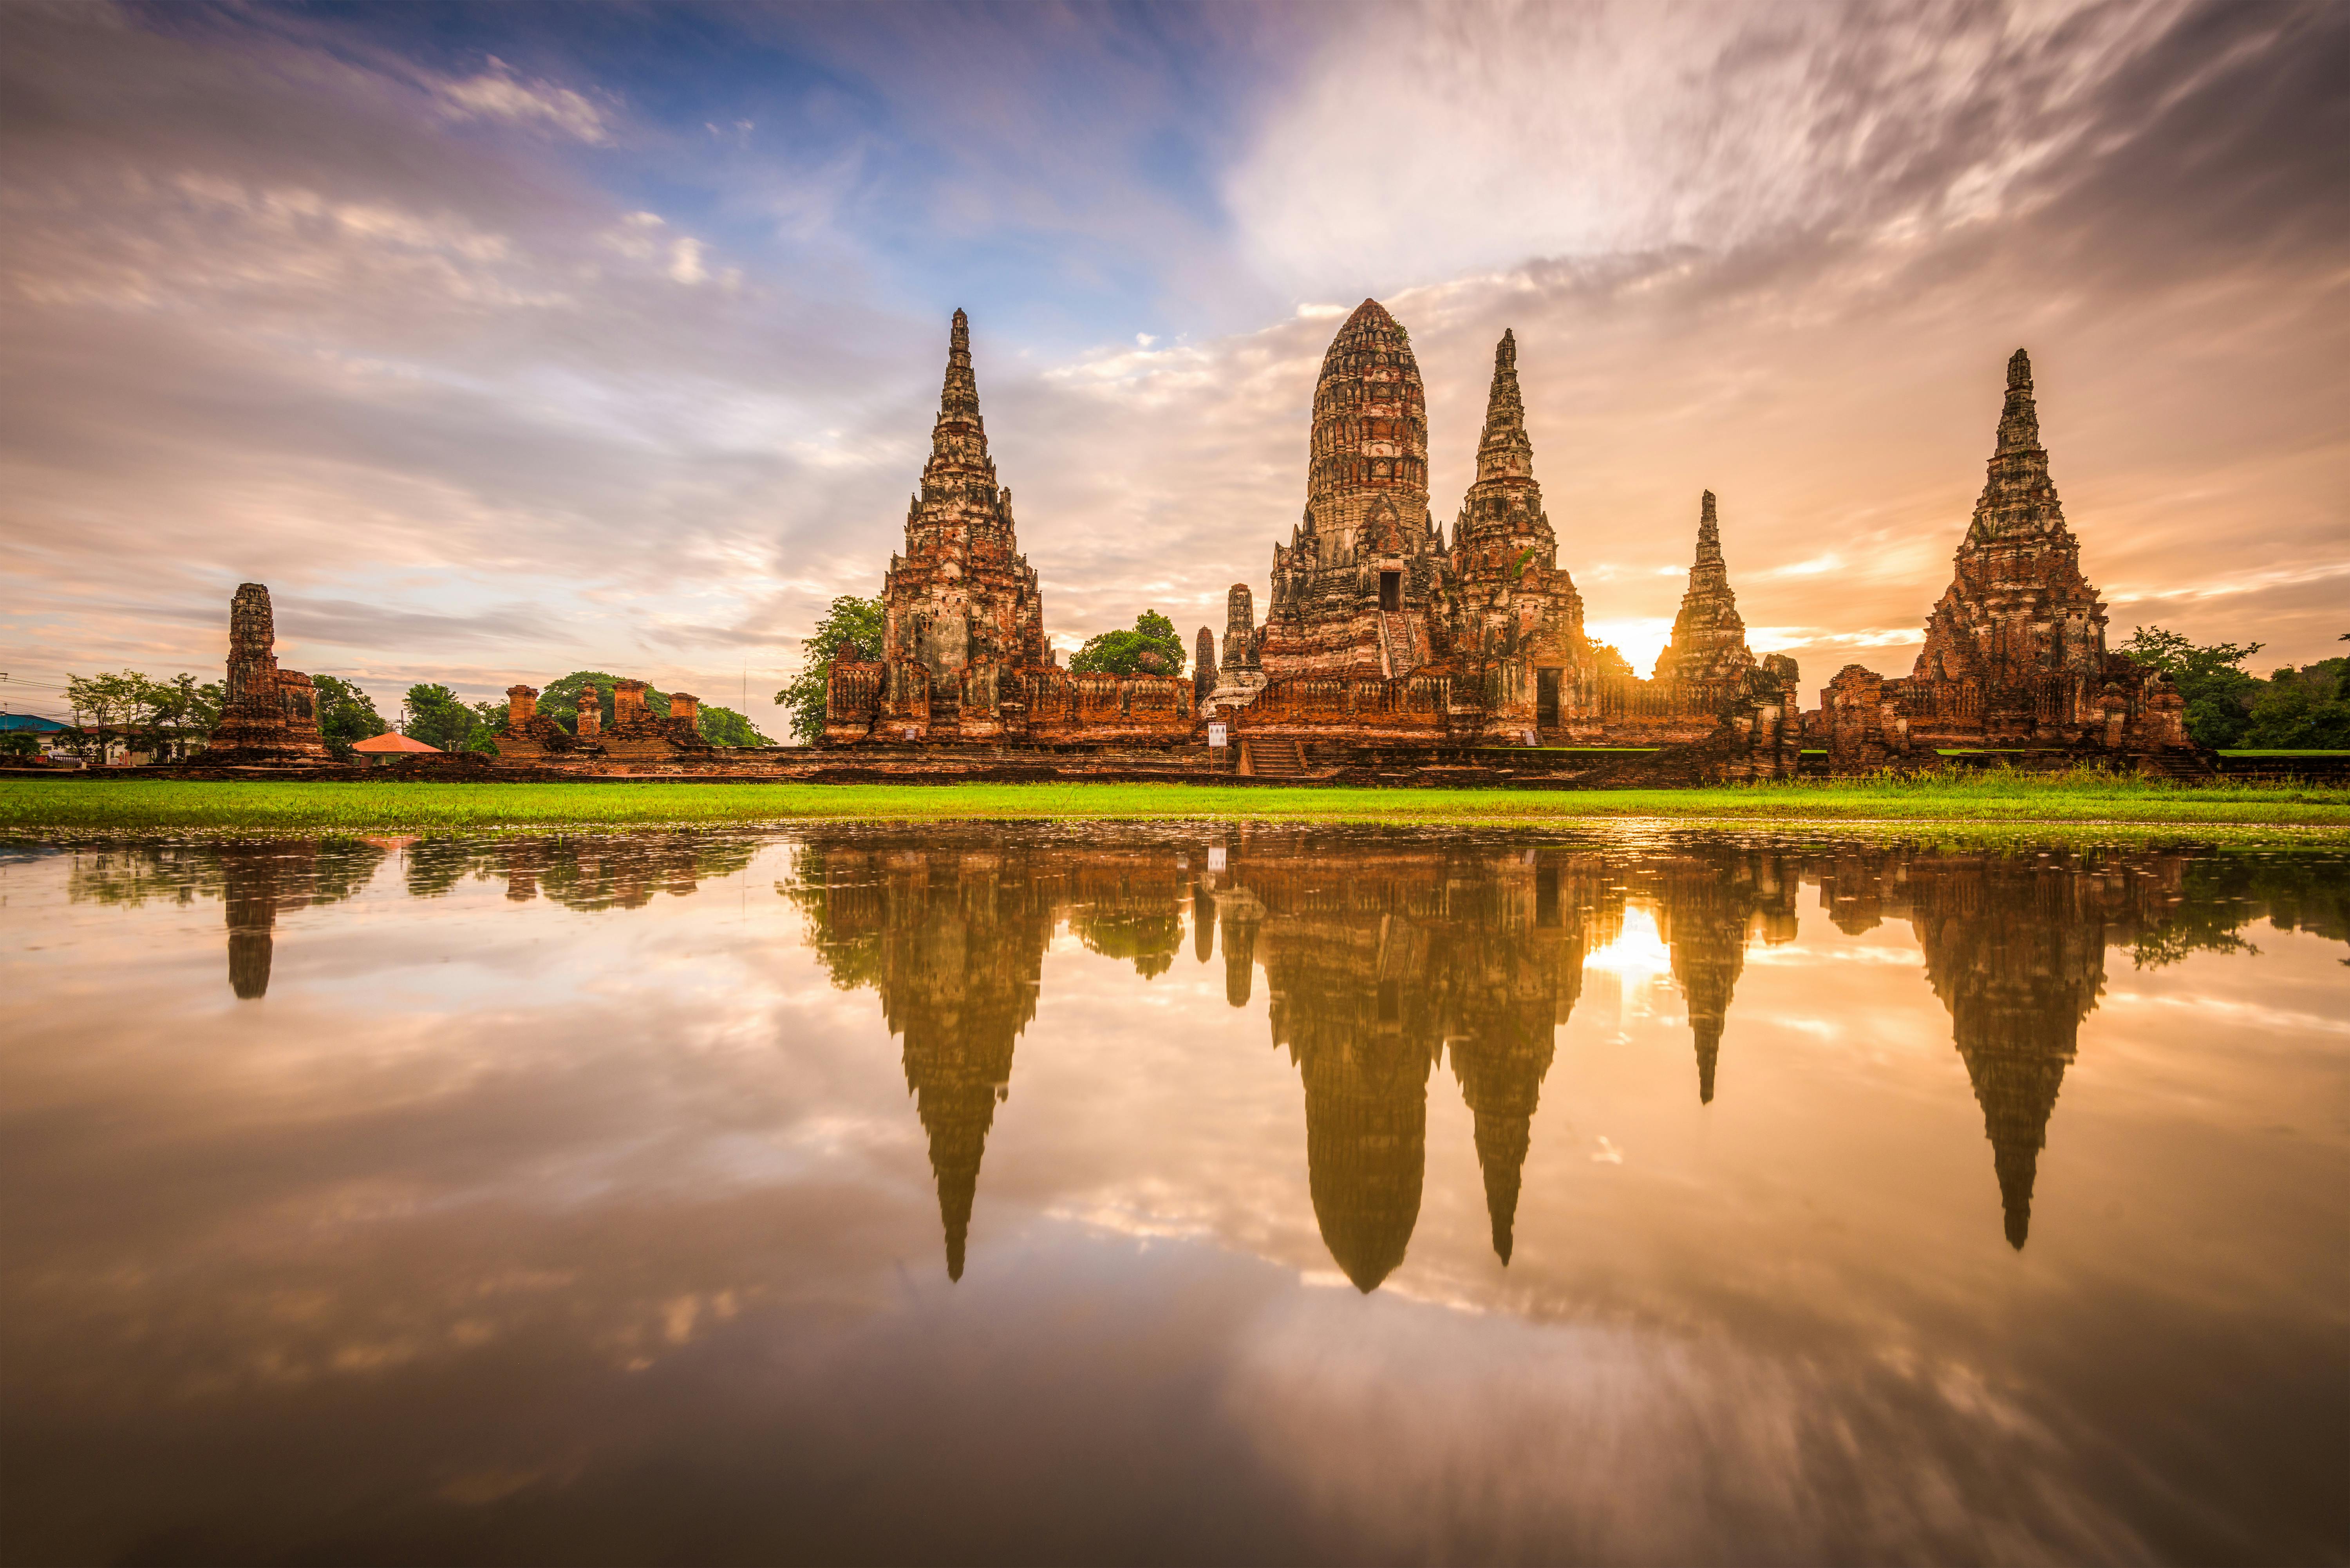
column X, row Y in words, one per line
column 30, row 722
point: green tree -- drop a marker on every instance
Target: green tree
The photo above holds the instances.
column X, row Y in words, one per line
column 725, row 727
column 2302, row 710
column 439, row 716
column 107, row 708
column 1610, row 661
column 852, row 620
column 2212, row 678
column 19, row 745
column 346, row 715
column 1152, row 648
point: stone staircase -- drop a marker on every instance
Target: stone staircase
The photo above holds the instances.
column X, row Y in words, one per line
column 2186, row 767
column 1276, row 757
column 1395, row 647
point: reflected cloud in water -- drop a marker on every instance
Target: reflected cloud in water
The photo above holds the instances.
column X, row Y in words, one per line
column 1655, row 1165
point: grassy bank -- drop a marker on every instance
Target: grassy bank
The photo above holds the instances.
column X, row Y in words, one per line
column 67, row 805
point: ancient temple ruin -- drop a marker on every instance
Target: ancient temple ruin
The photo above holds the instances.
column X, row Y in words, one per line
column 963, row 655
column 1708, row 641
column 1380, row 633
column 1357, row 590
column 2015, row 650
column 270, row 717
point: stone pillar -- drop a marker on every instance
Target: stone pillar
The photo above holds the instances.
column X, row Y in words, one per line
column 685, row 705
column 522, row 707
column 627, row 703
column 591, row 714
column 252, row 654
column 1240, row 628
column 1204, row 666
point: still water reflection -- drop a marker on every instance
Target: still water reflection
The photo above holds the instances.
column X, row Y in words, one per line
column 1635, row 1197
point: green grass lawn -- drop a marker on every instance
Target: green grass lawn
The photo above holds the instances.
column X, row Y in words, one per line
column 69, row 807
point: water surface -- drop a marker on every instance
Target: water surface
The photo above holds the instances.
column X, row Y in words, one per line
column 1021, row 1193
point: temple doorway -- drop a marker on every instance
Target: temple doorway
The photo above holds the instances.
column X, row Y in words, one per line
column 1390, row 590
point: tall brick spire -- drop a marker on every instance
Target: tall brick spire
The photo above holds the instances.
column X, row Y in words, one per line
column 1504, row 452
column 2018, row 622
column 1708, row 636
column 959, row 441
column 2018, row 497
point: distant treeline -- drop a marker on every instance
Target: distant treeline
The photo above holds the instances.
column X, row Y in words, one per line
column 169, row 720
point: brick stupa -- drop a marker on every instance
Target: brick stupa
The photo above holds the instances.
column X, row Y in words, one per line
column 270, row 716
column 1504, row 556
column 962, row 603
column 1709, row 641
column 2018, row 621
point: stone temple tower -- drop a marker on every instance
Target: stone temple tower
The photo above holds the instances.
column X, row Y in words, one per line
column 963, row 602
column 1354, row 591
column 2019, row 630
column 271, row 715
column 1708, row 641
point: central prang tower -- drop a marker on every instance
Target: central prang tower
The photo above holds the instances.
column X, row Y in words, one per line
column 1354, row 589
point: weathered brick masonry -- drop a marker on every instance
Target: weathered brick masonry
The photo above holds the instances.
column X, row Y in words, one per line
column 963, row 655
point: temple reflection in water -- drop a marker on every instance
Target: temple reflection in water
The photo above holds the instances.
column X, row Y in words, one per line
column 1384, row 959
column 1380, row 965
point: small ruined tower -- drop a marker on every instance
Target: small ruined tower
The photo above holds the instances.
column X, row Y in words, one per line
column 1203, row 665
column 271, row 715
column 2018, row 623
column 1240, row 628
column 1708, row 641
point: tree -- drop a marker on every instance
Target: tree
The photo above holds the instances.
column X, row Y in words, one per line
column 19, row 745
column 105, row 707
column 346, row 715
column 852, row 620
column 439, row 716
column 725, row 727
column 2219, row 692
column 1152, row 648
column 2302, row 710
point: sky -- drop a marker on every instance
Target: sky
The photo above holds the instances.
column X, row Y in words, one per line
column 502, row 341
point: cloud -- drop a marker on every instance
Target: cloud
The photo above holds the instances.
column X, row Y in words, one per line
column 274, row 308
column 499, row 93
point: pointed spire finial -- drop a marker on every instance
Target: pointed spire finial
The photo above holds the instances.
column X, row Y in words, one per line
column 1709, row 539
column 1504, row 451
column 2018, row 422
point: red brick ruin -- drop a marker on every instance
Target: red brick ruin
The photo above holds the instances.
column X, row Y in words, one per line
column 1386, row 649
column 1379, row 633
column 270, row 717
column 2015, row 652
column 963, row 658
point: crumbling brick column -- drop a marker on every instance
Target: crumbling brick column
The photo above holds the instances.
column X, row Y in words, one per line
column 685, row 705
column 591, row 714
column 627, row 703
column 1865, row 729
column 522, row 707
